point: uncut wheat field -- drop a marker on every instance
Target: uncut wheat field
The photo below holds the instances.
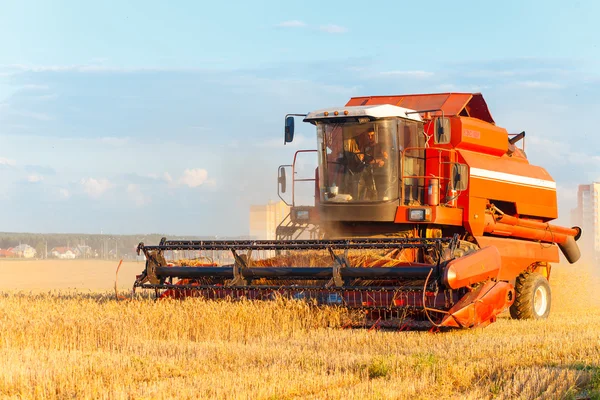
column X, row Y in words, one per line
column 64, row 334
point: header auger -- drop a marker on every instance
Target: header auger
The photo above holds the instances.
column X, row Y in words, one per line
column 427, row 213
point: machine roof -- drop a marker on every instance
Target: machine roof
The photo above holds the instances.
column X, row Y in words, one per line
column 376, row 111
column 463, row 104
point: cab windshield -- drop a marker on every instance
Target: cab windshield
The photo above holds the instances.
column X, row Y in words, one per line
column 358, row 161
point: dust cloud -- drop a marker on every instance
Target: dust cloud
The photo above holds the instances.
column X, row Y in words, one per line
column 575, row 286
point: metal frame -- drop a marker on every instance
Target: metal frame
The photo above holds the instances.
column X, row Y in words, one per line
column 307, row 244
column 294, row 179
column 451, row 157
column 339, row 285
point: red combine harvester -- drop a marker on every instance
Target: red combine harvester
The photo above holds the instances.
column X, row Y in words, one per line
column 454, row 218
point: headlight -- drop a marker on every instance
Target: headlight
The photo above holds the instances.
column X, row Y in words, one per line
column 302, row 214
column 419, row 214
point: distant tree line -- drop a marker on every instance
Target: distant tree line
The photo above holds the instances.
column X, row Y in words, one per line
column 105, row 246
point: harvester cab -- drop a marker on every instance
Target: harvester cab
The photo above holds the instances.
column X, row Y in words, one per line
column 453, row 218
column 373, row 160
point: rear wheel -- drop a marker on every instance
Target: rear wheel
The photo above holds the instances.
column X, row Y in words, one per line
column 533, row 297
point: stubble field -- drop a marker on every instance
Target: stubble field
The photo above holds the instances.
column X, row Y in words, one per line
column 63, row 334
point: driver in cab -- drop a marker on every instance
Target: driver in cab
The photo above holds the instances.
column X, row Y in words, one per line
column 366, row 149
column 373, row 155
column 367, row 155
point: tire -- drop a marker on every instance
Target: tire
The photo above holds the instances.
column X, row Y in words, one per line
column 533, row 297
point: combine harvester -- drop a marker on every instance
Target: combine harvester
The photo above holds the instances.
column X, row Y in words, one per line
column 453, row 217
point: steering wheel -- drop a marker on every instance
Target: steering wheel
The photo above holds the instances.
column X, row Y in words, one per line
column 353, row 162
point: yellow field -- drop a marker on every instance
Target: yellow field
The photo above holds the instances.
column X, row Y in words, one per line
column 80, row 275
column 85, row 344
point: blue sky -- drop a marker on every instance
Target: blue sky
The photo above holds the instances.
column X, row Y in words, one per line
column 136, row 117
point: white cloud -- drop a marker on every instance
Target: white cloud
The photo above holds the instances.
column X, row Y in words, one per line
column 21, row 127
column 64, row 193
column 93, row 68
column 516, row 72
column 276, row 143
column 561, row 153
column 114, row 141
column 540, row 85
column 282, row 87
column 7, row 161
column 200, row 128
column 408, row 74
column 153, row 176
column 291, row 24
column 35, row 178
column 38, row 68
column 447, row 87
column 333, row 29
column 45, row 97
column 194, row 177
column 135, row 194
column 99, row 60
column 33, row 87
column 450, row 87
column 357, row 68
column 95, row 187
column 167, row 177
column 34, row 115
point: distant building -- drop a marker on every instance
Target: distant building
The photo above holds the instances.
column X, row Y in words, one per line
column 264, row 219
column 24, row 251
column 7, row 253
column 587, row 217
column 82, row 251
column 63, row 253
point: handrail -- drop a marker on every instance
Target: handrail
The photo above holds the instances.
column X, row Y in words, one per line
column 294, row 180
column 451, row 157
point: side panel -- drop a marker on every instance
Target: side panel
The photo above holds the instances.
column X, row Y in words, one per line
column 364, row 212
column 438, row 215
column 476, row 267
column 474, row 214
column 518, row 255
column 529, row 187
column 479, row 136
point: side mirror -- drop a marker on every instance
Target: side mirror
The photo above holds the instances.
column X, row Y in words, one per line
column 442, row 131
column 460, row 176
column 289, row 130
column 281, row 180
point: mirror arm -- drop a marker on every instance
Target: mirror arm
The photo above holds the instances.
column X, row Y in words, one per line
column 289, row 127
